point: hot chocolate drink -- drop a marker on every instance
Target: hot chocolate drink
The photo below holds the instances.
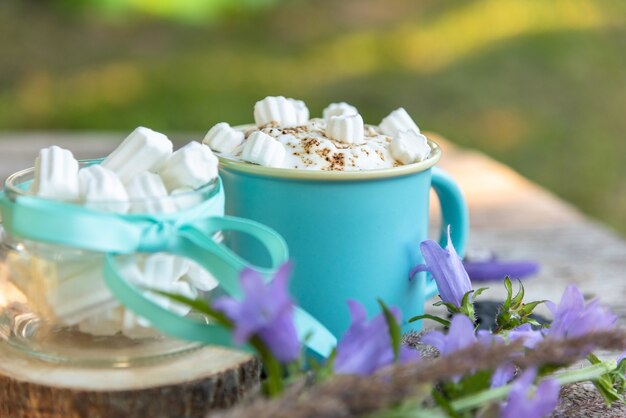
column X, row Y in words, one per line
column 285, row 137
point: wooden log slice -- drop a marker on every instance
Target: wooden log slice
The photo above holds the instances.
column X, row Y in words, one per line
column 189, row 385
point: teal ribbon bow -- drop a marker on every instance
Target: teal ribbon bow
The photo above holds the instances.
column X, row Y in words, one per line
column 188, row 233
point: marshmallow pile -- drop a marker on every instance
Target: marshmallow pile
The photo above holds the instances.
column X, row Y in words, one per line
column 137, row 177
column 285, row 137
column 143, row 175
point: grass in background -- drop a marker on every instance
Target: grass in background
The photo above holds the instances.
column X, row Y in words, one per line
column 539, row 85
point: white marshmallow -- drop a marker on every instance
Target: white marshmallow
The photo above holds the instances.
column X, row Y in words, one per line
column 102, row 189
column 191, row 166
column 143, row 150
column 276, row 109
column 56, row 174
column 79, row 291
column 134, row 326
column 107, row 323
column 147, row 194
column 199, row 278
column 348, row 129
column 185, row 198
column 339, row 109
column 161, row 270
column 181, row 288
column 260, row 148
column 223, row 138
column 409, row 147
column 398, row 120
column 302, row 112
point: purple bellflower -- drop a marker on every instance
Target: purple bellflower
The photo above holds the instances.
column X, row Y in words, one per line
column 502, row 375
column 447, row 269
column 266, row 311
column 530, row 336
column 460, row 335
column 366, row 346
column 520, row 404
column 572, row 318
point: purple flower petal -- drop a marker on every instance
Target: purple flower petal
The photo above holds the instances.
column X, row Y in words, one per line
column 520, row 402
column 418, row 269
column 530, row 336
column 502, row 375
column 460, row 335
column 447, row 269
column 435, row 338
column 266, row 310
column 358, row 314
column 572, row 318
column 486, row 337
column 281, row 338
column 366, row 345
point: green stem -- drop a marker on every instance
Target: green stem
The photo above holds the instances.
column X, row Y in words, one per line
column 572, row 376
column 587, row 373
column 417, row 412
column 274, row 381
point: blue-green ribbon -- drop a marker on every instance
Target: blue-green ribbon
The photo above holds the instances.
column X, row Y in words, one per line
column 188, row 233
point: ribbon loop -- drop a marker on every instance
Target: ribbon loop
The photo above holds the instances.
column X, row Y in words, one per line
column 157, row 237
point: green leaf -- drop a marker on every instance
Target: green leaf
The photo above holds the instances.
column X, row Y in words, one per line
column 533, row 322
column 468, row 385
column 528, row 308
column 606, row 383
column 466, row 298
column 519, row 297
column 476, row 382
column 442, row 321
column 451, row 307
column 394, row 329
column 325, row 370
column 444, row 404
column 509, row 293
column 479, row 292
column 593, row 359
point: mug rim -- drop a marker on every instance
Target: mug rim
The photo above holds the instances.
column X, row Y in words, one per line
column 227, row 162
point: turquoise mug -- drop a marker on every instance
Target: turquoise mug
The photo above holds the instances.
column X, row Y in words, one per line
column 351, row 235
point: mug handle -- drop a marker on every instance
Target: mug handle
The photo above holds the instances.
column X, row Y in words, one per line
column 454, row 212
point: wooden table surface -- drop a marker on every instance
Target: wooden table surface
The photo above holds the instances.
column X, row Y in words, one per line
column 509, row 215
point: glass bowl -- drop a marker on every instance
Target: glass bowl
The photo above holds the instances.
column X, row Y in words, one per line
column 54, row 304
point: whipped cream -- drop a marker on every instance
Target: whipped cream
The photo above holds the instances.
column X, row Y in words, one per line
column 284, row 137
column 308, row 147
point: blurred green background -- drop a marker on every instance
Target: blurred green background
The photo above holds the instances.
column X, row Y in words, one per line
column 538, row 84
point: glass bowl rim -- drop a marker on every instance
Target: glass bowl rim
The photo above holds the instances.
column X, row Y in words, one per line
column 11, row 186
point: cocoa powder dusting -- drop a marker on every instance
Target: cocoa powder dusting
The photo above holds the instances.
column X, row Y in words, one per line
column 337, row 162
